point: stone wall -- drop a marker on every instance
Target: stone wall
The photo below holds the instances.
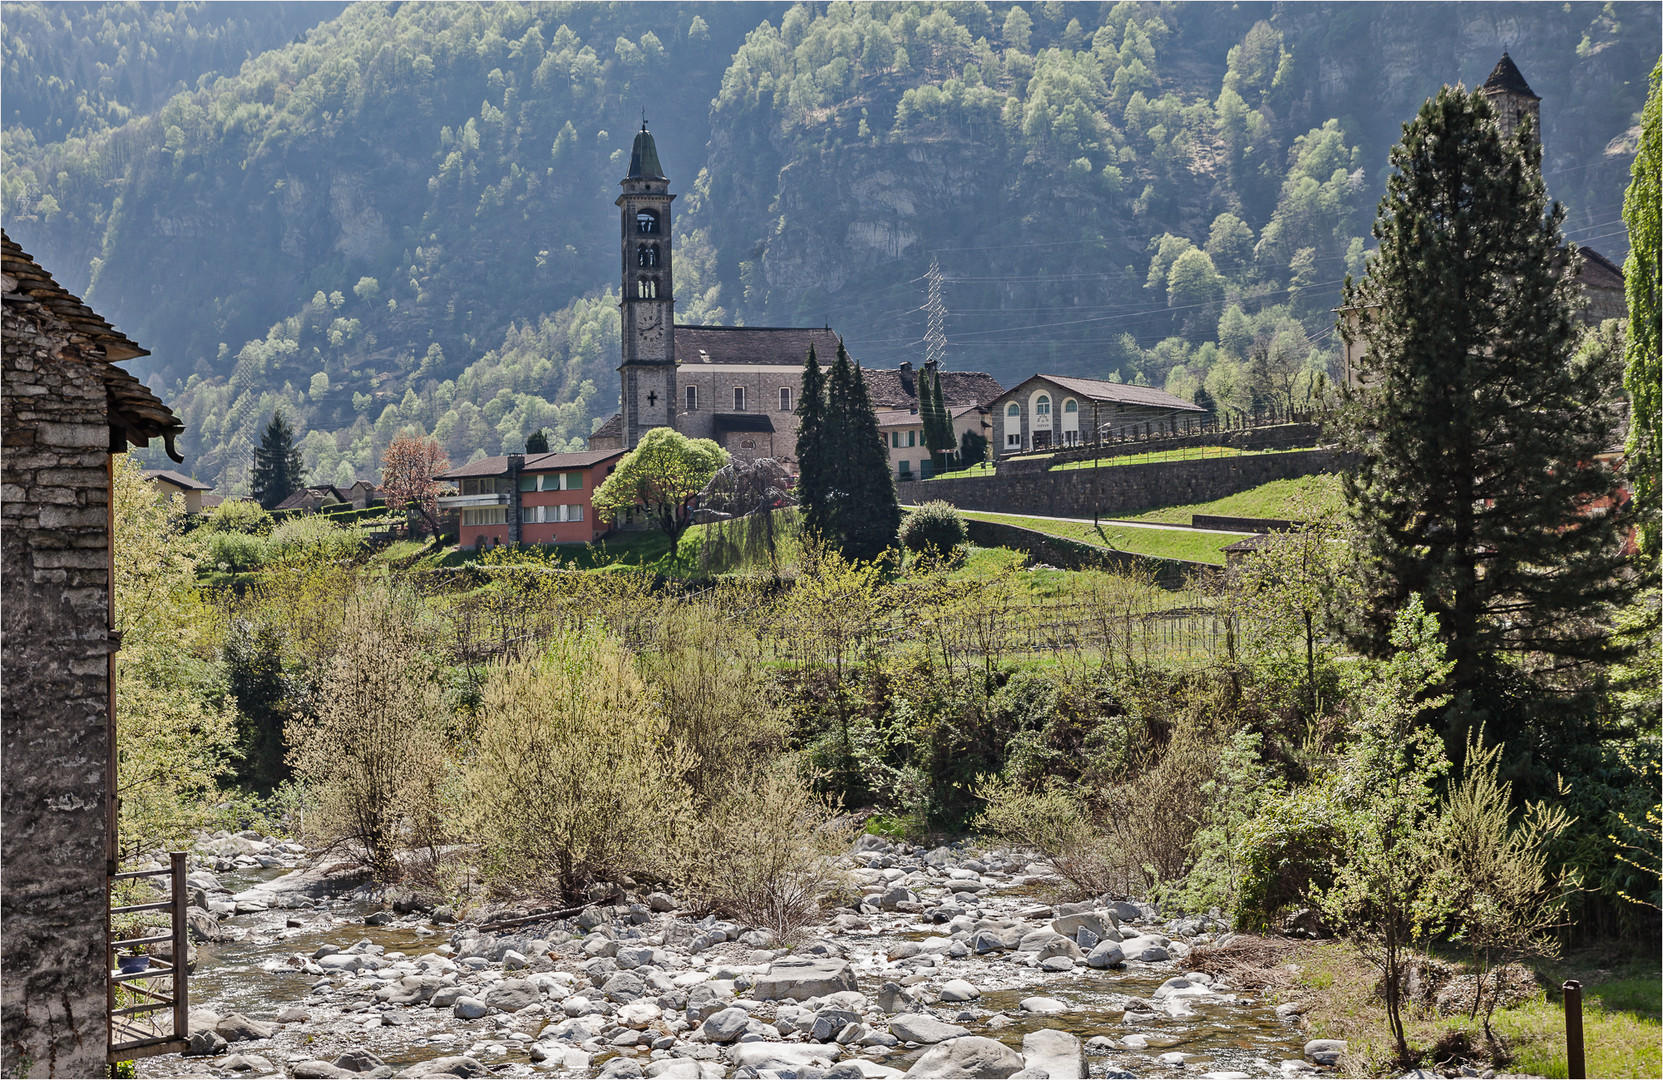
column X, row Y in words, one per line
column 54, row 556
column 1110, row 491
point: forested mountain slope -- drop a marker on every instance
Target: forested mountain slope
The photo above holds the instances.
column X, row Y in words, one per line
column 404, row 215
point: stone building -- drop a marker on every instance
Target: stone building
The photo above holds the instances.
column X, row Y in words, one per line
column 735, row 385
column 1047, row 411
column 65, row 408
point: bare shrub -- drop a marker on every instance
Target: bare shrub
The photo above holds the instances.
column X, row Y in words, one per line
column 761, row 853
column 575, row 776
column 375, row 747
column 1058, row 825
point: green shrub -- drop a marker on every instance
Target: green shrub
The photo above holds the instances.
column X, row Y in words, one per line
column 1060, row 827
column 237, row 516
column 1290, row 846
column 234, row 552
column 313, row 537
column 935, row 528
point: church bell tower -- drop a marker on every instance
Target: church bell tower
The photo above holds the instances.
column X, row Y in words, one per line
column 1511, row 99
column 648, row 372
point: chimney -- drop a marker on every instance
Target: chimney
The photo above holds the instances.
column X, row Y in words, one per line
column 906, row 378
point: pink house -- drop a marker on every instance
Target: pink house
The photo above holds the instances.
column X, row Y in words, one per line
column 529, row 498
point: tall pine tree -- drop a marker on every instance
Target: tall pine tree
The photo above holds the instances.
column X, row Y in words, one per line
column 276, row 463
column 1480, row 421
column 942, row 443
column 811, row 449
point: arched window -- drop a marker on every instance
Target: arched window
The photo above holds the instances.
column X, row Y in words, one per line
column 647, row 289
column 1014, row 411
column 692, row 399
column 1042, row 408
column 1070, row 421
column 646, row 222
column 1070, row 406
column 647, row 255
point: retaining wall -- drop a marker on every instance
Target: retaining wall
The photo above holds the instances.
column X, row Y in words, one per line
column 1068, row 554
column 1113, row 490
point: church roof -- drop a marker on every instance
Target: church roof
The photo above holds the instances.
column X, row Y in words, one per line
column 612, row 429
column 898, row 388
column 1505, row 79
column 643, row 159
column 498, row 466
column 772, row 345
column 139, row 414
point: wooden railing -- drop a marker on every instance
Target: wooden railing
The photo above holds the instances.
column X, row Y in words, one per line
column 135, row 998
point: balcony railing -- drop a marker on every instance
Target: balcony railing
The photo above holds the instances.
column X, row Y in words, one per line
column 468, row 502
column 149, row 1005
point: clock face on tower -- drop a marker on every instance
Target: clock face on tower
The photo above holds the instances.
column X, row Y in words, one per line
column 649, row 325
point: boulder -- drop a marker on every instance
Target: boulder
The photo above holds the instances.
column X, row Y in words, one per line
column 247, row 1065
column 205, row 1043
column 726, row 1026
column 358, row 1061
column 804, row 978
column 972, row 1056
column 1054, row 1054
column 829, row 1023
column 318, row 1070
column 201, row 924
column 955, row 990
column 780, row 1057
column 239, row 1028
column 923, row 1028
column 1326, row 1051
column 469, row 1008
column 991, row 940
column 1101, row 923
column 1107, row 954
column 1044, row 1006
column 512, row 995
column 447, row 1066
column 410, row 989
column 894, row 897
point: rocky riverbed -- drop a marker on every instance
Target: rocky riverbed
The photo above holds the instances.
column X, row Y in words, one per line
column 948, row 966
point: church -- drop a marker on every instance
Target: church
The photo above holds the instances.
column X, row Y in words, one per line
column 735, row 385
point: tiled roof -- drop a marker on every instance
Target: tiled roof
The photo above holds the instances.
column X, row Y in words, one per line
column 1505, row 79
column 1598, row 272
column 894, row 389
column 900, row 418
column 132, row 407
column 307, row 494
column 612, row 429
column 177, row 479
column 1118, row 393
column 775, row 345
column 498, row 466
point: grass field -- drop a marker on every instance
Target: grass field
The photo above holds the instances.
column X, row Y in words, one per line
column 1620, row 1015
column 1295, row 499
column 1159, row 543
column 1191, row 453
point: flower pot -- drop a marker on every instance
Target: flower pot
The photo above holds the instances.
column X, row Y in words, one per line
column 132, row 965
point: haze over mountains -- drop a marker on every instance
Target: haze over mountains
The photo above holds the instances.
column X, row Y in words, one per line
column 383, row 215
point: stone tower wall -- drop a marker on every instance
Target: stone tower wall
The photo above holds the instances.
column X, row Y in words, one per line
column 54, row 556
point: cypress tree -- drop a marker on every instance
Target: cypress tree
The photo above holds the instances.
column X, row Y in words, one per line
column 276, row 463
column 1479, row 423
column 862, row 515
column 926, row 411
column 944, row 441
column 1644, row 375
column 811, row 449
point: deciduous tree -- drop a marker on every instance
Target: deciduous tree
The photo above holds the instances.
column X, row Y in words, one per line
column 663, row 475
column 408, row 469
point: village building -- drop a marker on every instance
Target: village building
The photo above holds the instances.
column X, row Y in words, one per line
column 530, row 498
column 313, row 498
column 1603, row 291
column 170, row 483
column 1046, row 412
column 65, row 408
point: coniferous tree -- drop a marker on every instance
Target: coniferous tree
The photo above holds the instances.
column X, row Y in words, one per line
column 861, row 513
column 926, row 411
column 811, row 448
column 537, row 442
column 938, row 423
column 276, row 463
column 1644, row 375
column 1479, row 423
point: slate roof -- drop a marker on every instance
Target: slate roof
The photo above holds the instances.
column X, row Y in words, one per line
column 894, row 389
column 177, row 479
column 498, row 466
column 643, row 157
column 1118, row 393
column 133, row 409
column 1505, row 79
column 310, row 492
column 775, row 345
column 613, row 428
column 743, row 421
column 902, row 418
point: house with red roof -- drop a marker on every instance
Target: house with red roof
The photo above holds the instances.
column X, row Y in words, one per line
column 529, row 498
